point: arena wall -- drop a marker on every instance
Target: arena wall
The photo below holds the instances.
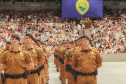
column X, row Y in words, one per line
column 114, row 57
column 28, row 7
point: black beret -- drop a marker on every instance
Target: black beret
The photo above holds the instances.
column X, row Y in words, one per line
column 69, row 42
column 34, row 39
column 72, row 42
column 85, row 36
column 29, row 34
column 75, row 40
column 65, row 43
column 38, row 44
column 8, row 42
column 15, row 36
column 20, row 43
column 38, row 40
column 43, row 43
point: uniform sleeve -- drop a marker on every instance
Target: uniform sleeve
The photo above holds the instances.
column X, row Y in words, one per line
column 28, row 57
column 44, row 49
column 98, row 57
column 74, row 61
column 3, row 58
column 40, row 54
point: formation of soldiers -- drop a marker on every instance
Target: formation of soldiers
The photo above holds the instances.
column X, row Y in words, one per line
column 24, row 63
column 77, row 61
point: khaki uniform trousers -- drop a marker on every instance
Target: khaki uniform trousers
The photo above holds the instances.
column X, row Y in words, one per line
column 33, row 79
column 46, row 73
column 41, row 77
column 16, row 81
column 86, row 79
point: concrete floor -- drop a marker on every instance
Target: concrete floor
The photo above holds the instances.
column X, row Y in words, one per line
column 109, row 73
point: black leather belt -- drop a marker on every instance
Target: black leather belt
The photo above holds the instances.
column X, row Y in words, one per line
column 24, row 75
column 37, row 70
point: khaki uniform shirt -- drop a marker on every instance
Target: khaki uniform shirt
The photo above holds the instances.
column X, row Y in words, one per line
column 86, row 62
column 36, row 55
column 15, row 62
column 70, row 54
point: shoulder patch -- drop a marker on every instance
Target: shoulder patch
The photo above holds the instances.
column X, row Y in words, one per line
column 1, row 55
column 42, row 52
column 34, row 50
column 21, row 54
column 92, row 52
column 29, row 55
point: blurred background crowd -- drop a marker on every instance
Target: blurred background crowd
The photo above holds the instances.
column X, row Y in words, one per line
column 107, row 34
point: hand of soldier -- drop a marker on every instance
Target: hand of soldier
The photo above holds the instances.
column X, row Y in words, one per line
column 48, row 55
column 46, row 60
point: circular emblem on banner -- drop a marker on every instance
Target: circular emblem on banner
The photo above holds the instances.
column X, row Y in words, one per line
column 82, row 6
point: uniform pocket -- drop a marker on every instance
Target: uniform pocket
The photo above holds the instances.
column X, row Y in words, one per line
column 9, row 58
column 34, row 55
column 22, row 58
column 80, row 61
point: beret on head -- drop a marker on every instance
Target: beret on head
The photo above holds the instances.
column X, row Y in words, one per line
column 38, row 40
column 85, row 36
column 43, row 43
column 8, row 42
column 16, row 36
column 29, row 34
column 20, row 43
column 34, row 39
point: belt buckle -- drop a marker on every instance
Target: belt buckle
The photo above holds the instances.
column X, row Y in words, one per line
column 29, row 72
column 87, row 74
column 15, row 76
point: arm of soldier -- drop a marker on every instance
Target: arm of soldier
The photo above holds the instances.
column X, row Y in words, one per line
column 2, row 61
column 28, row 60
column 74, row 60
column 48, row 53
column 98, row 59
column 65, row 57
column 46, row 59
column 41, row 57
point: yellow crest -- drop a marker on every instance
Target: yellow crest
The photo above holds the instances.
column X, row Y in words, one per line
column 82, row 6
column 92, row 52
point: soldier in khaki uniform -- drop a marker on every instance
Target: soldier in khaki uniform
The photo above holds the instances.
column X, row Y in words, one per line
column 67, row 62
column 37, row 43
column 15, row 61
column 63, row 67
column 60, row 56
column 1, row 53
column 68, row 59
column 86, row 61
column 57, row 53
column 56, row 57
column 8, row 44
column 38, row 59
column 46, row 65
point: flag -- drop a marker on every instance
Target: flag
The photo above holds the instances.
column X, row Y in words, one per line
column 82, row 8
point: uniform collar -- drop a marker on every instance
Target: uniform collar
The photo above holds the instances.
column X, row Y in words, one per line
column 29, row 48
column 11, row 50
column 90, row 48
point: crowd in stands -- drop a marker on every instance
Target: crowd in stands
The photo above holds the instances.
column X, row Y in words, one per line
column 47, row 25
column 110, row 32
